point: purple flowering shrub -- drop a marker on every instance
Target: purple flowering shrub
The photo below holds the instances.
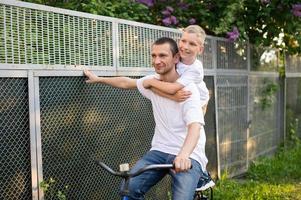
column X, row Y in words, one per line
column 233, row 35
column 148, row 3
column 296, row 9
column 259, row 22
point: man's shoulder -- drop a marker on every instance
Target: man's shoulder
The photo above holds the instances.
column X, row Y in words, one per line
column 150, row 76
column 145, row 92
column 193, row 88
column 194, row 99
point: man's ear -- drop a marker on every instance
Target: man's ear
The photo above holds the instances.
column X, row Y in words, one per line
column 176, row 58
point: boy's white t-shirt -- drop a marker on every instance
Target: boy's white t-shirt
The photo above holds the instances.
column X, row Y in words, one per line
column 172, row 119
column 194, row 73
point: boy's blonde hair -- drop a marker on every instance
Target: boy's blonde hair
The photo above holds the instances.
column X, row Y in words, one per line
column 199, row 31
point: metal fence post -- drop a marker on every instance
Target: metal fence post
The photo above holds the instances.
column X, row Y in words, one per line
column 38, row 135
column 214, row 63
column 115, row 45
column 248, row 102
column 33, row 142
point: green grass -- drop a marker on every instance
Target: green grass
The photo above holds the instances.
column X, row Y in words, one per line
column 278, row 177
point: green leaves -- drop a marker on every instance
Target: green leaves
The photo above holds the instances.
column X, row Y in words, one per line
column 50, row 188
column 267, row 97
column 258, row 21
column 120, row 9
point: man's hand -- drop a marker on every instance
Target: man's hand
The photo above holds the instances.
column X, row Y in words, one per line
column 182, row 163
column 181, row 95
column 92, row 78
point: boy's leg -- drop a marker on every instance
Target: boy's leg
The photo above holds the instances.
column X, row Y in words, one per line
column 185, row 183
column 204, row 109
column 139, row 185
column 205, row 182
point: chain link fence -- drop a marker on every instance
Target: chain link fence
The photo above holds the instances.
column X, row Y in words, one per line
column 53, row 125
column 232, row 119
column 266, row 133
column 81, row 123
column 15, row 176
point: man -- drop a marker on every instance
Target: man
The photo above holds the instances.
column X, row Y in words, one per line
column 179, row 134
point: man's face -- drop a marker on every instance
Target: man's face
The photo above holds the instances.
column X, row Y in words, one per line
column 189, row 46
column 162, row 59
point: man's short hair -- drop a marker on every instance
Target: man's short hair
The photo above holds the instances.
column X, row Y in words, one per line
column 199, row 31
column 172, row 44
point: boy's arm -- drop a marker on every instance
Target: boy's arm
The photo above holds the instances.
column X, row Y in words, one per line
column 191, row 75
column 166, row 87
column 118, row 82
column 179, row 96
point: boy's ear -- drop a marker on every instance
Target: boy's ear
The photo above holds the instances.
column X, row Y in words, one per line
column 201, row 49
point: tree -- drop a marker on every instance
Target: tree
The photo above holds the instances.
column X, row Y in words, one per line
column 274, row 23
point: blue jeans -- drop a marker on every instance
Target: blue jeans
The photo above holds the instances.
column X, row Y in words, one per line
column 183, row 184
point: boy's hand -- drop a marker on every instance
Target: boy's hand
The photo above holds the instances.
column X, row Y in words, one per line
column 182, row 95
column 92, row 78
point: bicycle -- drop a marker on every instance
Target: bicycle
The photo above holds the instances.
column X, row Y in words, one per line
column 124, row 173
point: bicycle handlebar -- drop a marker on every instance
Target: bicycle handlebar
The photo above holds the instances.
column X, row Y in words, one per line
column 149, row 167
column 106, row 167
column 140, row 171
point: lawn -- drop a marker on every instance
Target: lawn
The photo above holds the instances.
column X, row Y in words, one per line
column 278, row 177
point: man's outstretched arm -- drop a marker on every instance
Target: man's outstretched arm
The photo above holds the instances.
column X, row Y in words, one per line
column 118, row 82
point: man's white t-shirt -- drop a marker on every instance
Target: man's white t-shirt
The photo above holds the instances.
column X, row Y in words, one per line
column 194, row 73
column 172, row 119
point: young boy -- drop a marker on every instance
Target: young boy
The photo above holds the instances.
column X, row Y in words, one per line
column 190, row 68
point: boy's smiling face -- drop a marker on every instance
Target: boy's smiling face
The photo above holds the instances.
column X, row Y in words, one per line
column 189, row 47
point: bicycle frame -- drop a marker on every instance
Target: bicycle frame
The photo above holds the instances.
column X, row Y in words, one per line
column 127, row 175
